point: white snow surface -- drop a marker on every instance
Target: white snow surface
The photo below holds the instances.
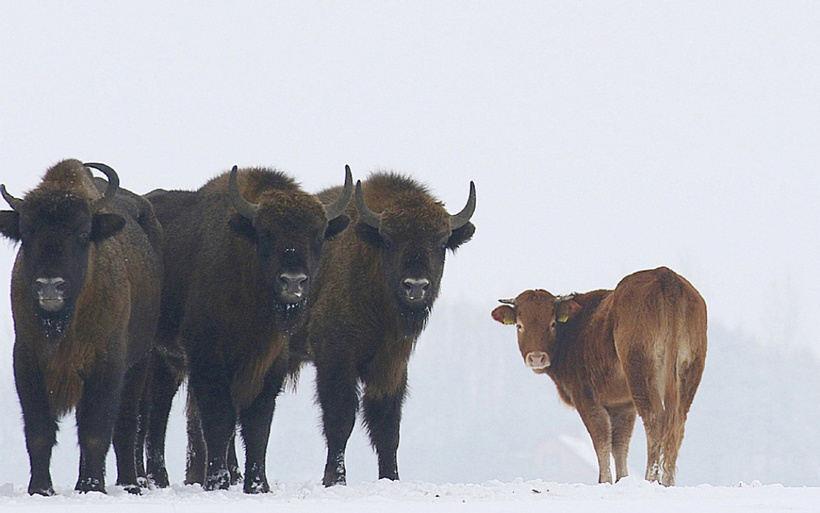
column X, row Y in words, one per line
column 630, row 494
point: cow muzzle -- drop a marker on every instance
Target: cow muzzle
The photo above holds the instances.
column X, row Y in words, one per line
column 51, row 293
column 537, row 360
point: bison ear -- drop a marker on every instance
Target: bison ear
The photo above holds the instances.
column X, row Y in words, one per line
column 504, row 314
column 369, row 234
column 336, row 226
column 105, row 225
column 460, row 236
column 10, row 224
column 243, row 226
column 567, row 309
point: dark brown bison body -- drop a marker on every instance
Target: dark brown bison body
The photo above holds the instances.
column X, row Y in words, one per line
column 85, row 299
column 641, row 346
column 372, row 297
column 240, row 257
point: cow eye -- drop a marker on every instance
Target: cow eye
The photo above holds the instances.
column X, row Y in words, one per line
column 519, row 326
column 552, row 325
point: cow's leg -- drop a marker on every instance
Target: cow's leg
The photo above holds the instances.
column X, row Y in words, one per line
column 382, row 415
column 125, row 430
column 643, row 384
column 622, row 419
column 39, row 426
column 255, row 422
column 96, row 414
column 163, row 385
column 337, row 390
column 596, row 420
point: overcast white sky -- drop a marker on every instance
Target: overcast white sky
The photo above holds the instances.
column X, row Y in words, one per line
column 603, row 137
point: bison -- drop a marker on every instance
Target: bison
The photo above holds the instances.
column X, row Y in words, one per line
column 241, row 254
column 641, row 346
column 373, row 294
column 85, row 300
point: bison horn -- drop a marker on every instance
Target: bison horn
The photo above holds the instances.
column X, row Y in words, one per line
column 507, row 301
column 110, row 191
column 15, row 203
column 337, row 208
column 463, row 217
column 243, row 206
column 365, row 214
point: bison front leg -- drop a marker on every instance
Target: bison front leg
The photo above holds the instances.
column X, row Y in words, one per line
column 40, row 428
column 382, row 415
column 125, row 432
column 255, row 422
column 218, row 425
column 160, row 391
column 96, row 415
column 336, row 387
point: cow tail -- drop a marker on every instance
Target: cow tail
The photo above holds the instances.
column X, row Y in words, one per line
column 672, row 434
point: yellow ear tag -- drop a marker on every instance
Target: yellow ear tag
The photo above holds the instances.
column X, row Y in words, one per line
column 563, row 318
column 509, row 321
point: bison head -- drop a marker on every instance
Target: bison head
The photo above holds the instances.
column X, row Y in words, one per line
column 413, row 234
column 288, row 229
column 56, row 224
column 537, row 314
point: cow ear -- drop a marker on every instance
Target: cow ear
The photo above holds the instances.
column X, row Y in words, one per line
column 504, row 314
column 460, row 236
column 369, row 234
column 567, row 309
column 336, row 226
column 242, row 226
column 10, row 224
column 105, row 225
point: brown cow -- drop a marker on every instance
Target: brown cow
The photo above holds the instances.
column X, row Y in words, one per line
column 642, row 345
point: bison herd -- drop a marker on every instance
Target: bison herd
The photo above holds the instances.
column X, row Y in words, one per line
column 117, row 298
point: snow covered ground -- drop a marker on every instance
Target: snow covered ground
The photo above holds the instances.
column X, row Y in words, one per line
column 631, row 494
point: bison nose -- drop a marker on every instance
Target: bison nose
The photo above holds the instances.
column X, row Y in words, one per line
column 416, row 288
column 51, row 293
column 537, row 360
column 293, row 285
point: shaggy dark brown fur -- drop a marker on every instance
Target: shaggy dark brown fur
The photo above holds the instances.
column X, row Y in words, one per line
column 90, row 354
column 227, row 310
column 362, row 320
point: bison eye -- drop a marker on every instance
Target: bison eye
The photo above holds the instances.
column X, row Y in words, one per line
column 85, row 237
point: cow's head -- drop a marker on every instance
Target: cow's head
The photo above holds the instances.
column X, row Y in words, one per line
column 413, row 234
column 537, row 315
column 288, row 228
column 56, row 224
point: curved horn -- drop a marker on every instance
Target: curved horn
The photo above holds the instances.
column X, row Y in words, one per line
column 337, row 207
column 243, row 206
column 365, row 214
column 110, row 191
column 507, row 301
column 15, row 203
column 463, row 217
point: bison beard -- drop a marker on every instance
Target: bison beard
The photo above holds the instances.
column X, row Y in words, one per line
column 371, row 300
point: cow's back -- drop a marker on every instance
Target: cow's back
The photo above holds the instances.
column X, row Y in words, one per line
column 659, row 327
